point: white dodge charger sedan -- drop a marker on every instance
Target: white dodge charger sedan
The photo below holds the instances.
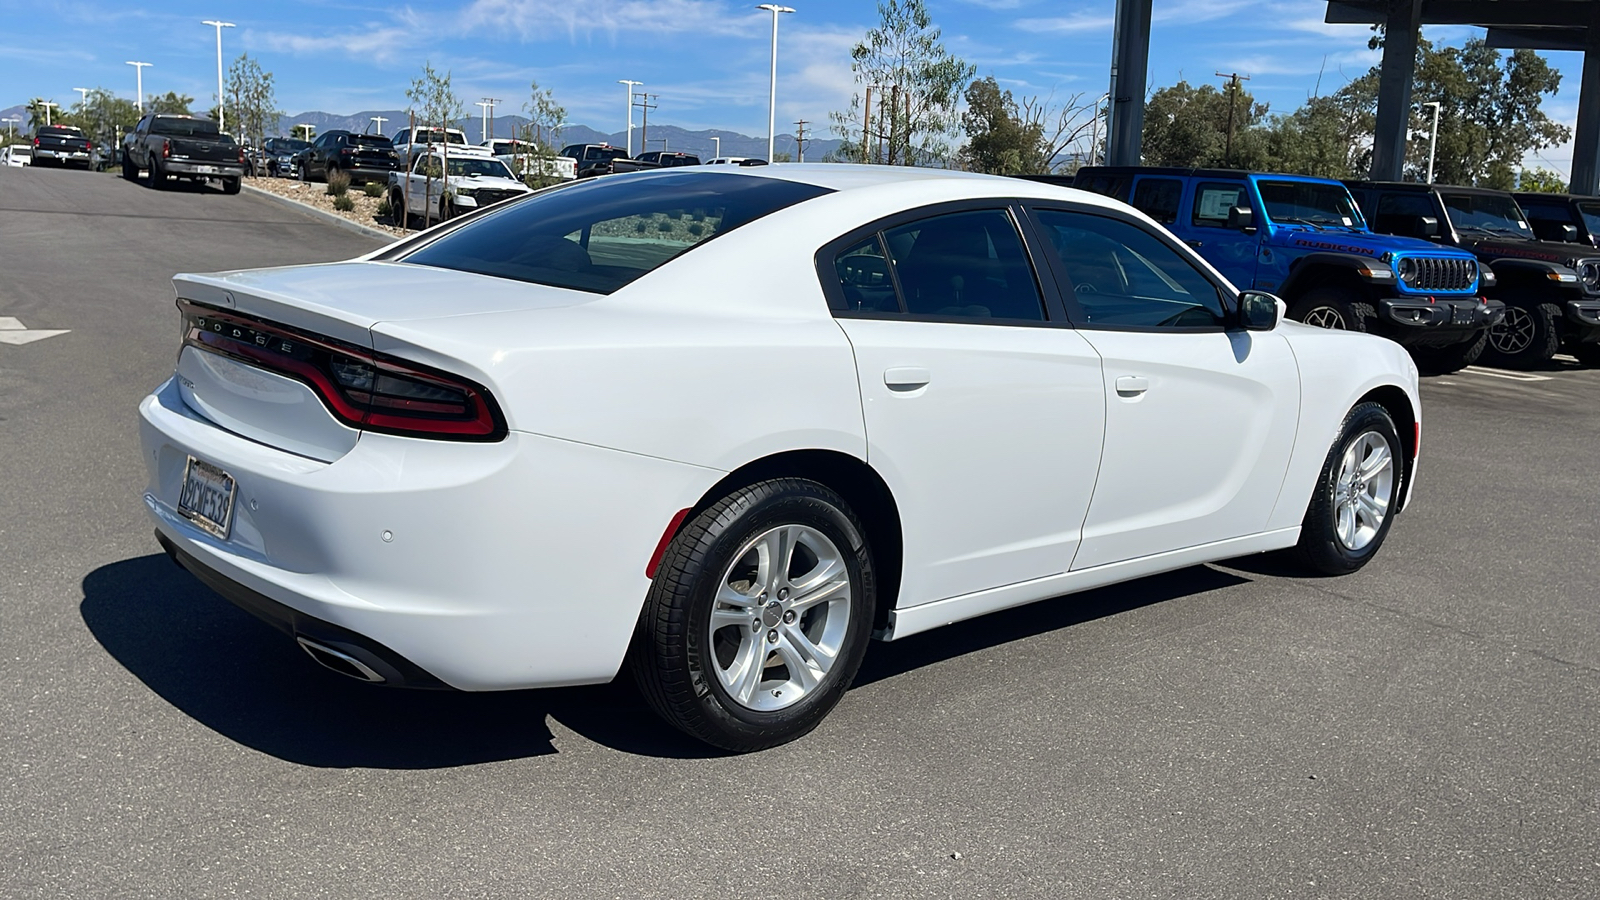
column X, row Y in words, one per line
column 725, row 426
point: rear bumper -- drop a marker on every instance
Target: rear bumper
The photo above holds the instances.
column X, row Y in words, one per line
column 375, row 173
column 1420, row 321
column 61, row 155
column 513, row 564
column 201, row 169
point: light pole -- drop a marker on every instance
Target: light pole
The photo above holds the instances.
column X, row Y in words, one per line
column 718, row 153
column 1094, row 131
column 307, row 129
column 139, row 97
column 772, row 95
column 487, row 104
column 631, row 85
column 83, row 96
column 11, row 126
column 380, row 120
column 1433, row 138
column 219, row 26
column 47, row 104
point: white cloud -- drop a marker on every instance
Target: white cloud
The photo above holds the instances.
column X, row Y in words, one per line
column 1078, row 21
column 533, row 20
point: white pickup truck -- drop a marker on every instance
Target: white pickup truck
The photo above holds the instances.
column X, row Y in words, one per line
column 475, row 180
column 409, row 142
column 521, row 157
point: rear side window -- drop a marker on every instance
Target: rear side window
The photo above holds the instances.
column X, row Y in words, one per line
column 1396, row 212
column 968, row 264
column 863, row 272
column 1158, row 198
column 1213, row 199
column 604, row 234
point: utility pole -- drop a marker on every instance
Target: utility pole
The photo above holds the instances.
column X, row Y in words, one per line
column 866, row 127
column 894, row 115
column 644, row 128
column 219, row 26
column 139, row 96
column 800, row 140
column 1233, row 94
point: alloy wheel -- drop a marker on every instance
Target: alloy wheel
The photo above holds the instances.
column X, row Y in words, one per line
column 780, row 617
column 1514, row 332
column 1363, row 490
column 1326, row 317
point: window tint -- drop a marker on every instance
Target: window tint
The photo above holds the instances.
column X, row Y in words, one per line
column 864, row 275
column 1398, row 212
column 1309, row 203
column 1121, row 275
column 1110, row 185
column 601, row 235
column 1213, row 199
column 1546, row 212
column 965, row 264
column 182, row 127
column 1158, row 198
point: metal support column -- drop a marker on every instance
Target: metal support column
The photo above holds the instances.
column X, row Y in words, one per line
column 1130, row 66
column 1586, row 141
column 1394, row 89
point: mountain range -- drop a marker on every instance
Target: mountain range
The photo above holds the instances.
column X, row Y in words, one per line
column 669, row 137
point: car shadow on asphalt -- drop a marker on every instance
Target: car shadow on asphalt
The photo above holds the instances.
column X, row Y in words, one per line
column 249, row 683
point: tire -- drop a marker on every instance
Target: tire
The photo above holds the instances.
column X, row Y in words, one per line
column 300, row 170
column 1454, row 358
column 1342, row 531
column 1528, row 336
column 328, row 171
column 130, row 171
column 1588, row 354
column 231, row 185
column 1331, row 307
column 730, row 684
column 158, row 178
column 397, row 208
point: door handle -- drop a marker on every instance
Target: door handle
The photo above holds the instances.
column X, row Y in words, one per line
column 1195, row 243
column 906, row 378
column 1132, row 385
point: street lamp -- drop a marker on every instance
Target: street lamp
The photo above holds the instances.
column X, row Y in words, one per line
column 219, row 27
column 47, row 104
column 1094, row 132
column 83, row 96
column 11, row 126
column 631, row 85
column 1433, row 138
column 139, row 97
column 487, row 104
column 380, row 120
column 772, row 95
column 307, row 128
column 718, row 153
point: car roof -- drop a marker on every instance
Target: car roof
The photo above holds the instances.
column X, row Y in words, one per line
column 1542, row 195
column 1419, row 187
column 1183, row 172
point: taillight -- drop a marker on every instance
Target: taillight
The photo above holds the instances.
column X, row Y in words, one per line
column 361, row 388
column 241, row 155
column 166, row 148
column 88, row 145
column 36, row 142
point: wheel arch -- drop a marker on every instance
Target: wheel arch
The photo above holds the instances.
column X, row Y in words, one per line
column 861, row 487
column 1397, row 404
column 1317, row 270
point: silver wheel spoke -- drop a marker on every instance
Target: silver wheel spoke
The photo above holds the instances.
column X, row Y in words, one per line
column 776, row 550
column 834, row 581
column 731, row 597
column 1378, row 462
column 801, row 670
column 750, row 663
column 729, row 618
column 1373, row 507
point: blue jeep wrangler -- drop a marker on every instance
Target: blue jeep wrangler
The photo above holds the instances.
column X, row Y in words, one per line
column 1305, row 240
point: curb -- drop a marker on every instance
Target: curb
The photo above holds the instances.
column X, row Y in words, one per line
column 341, row 221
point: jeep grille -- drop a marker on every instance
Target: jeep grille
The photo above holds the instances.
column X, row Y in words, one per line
column 1425, row 274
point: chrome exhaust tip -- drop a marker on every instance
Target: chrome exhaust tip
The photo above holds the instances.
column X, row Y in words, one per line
column 339, row 661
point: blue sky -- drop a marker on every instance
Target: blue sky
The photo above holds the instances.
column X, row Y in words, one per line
column 707, row 60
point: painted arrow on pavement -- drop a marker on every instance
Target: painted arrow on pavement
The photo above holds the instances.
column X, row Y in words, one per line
column 13, row 332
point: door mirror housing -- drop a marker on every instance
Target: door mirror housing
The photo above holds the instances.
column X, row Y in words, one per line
column 1241, row 218
column 1424, row 227
column 1259, row 310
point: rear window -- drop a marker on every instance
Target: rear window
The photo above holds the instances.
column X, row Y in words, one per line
column 183, row 127
column 602, row 235
column 60, row 131
column 1158, row 198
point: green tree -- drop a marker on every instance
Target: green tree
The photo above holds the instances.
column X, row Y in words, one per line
column 40, row 113
column 999, row 142
column 105, row 117
column 436, row 105
column 1186, row 125
column 1330, row 136
column 1545, row 181
column 252, row 99
column 915, row 108
column 543, row 132
column 170, row 104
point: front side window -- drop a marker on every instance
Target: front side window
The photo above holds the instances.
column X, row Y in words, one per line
column 1591, row 217
column 1486, row 214
column 1309, row 203
column 601, row 235
column 1123, row 276
column 967, row 264
column 1397, row 213
column 1213, row 200
column 1158, row 198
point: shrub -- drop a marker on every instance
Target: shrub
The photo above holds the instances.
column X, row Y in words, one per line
column 343, row 202
column 664, row 227
column 383, row 210
column 338, row 183
column 372, row 189
column 641, row 227
column 696, row 229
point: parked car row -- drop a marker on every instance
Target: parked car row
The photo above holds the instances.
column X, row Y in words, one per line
column 1452, row 273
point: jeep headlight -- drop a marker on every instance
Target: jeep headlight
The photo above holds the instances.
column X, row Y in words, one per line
column 1589, row 274
column 1407, row 268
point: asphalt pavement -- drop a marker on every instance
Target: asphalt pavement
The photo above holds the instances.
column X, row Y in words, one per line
column 1425, row 728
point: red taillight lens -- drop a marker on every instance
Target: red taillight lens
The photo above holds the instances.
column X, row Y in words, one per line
column 88, row 145
column 36, row 142
column 166, row 149
column 361, row 388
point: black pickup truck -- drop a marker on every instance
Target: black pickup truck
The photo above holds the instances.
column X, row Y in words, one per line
column 182, row 147
column 61, row 145
column 603, row 159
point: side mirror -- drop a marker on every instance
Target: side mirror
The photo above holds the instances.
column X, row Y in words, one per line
column 1259, row 310
column 1569, row 234
column 1241, row 218
column 1425, row 227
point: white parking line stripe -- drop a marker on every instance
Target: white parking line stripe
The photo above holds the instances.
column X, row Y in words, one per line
column 1510, row 376
column 8, row 323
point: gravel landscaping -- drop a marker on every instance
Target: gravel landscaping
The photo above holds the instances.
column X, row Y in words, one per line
column 316, row 194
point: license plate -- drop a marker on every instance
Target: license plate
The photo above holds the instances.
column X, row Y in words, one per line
column 207, row 497
column 206, row 170
column 1461, row 315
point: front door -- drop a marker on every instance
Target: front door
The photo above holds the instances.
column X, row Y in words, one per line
column 1231, row 249
column 1200, row 418
column 983, row 414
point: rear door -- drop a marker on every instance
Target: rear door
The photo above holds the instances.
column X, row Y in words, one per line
column 1200, row 418
column 984, row 412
